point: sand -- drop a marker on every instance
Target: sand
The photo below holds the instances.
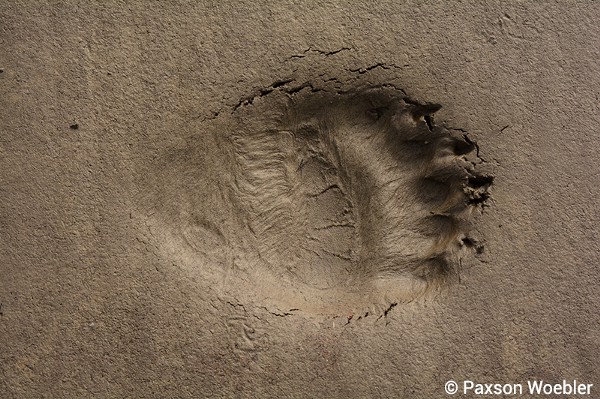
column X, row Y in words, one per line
column 297, row 199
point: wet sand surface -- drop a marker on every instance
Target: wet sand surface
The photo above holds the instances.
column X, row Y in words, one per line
column 265, row 199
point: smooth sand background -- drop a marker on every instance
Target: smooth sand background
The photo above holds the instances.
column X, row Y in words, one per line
column 90, row 309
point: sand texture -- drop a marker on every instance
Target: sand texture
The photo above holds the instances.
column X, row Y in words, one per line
column 297, row 199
